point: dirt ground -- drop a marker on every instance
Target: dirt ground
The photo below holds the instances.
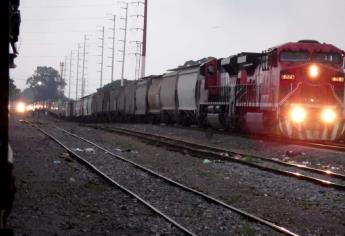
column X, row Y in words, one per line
column 57, row 196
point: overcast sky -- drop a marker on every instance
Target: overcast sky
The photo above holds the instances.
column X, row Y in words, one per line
column 178, row 30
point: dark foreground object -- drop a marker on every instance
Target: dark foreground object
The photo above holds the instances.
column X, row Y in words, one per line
column 57, row 196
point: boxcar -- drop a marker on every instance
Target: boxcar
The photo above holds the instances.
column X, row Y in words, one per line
column 130, row 92
column 106, row 105
column 113, row 106
column 69, row 109
column 89, row 105
column 186, row 94
column 76, row 112
column 141, row 97
column 84, row 106
column 153, row 99
column 121, row 100
column 168, row 99
column 86, row 109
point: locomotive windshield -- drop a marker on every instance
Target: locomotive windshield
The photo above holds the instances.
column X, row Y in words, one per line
column 294, row 56
column 326, row 57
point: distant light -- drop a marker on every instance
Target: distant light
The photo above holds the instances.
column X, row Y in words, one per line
column 21, row 107
column 39, row 83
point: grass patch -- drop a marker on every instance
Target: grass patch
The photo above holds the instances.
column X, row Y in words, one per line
column 233, row 199
column 249, row 158
column 248, row 230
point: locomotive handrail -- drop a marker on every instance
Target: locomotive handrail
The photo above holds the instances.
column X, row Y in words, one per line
column 289, row 94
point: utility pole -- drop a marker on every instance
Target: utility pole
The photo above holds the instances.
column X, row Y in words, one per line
column 124, row 44
column 64, row 72
column 143, row 54
column 70, row 74
column 141, row 62
column 76, row 85
column 113, row 49
column 83, row 69
column 102, row 58
column 65, row 68
column 62, row 65
column 137, row 54
column 139, row 46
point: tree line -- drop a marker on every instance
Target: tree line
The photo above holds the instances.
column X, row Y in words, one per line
column 45, row 84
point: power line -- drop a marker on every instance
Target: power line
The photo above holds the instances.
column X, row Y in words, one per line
column 52, row 56
column 66, row 18
column 57, row 32
column 68, row 6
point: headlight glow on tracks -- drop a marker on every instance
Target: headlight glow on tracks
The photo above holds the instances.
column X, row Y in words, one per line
column 297, row 114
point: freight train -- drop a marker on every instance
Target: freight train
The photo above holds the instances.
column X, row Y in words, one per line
column 294, row 90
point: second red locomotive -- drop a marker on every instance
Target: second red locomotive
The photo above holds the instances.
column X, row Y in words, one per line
column 296, row 89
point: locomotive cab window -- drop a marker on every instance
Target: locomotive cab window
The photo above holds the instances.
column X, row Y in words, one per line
column 294, row 56
column 326, row 57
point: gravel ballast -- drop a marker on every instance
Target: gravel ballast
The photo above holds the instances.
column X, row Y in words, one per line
column 300, row 206
column 309, row 156
column 193, row 212
column 57, row 196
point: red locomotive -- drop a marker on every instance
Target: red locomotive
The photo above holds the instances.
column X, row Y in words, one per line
column 296, row 89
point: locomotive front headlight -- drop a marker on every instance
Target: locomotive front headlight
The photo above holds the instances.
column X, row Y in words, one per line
column 313, row 71
column 21, row 107
column 328, row 116
column 297, row 114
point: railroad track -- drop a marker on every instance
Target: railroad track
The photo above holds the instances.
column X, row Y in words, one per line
column 326, row 178
column 335, row 146
column 150, row 181
column 330, row 146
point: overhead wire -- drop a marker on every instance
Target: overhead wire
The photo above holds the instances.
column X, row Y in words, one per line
column 68, row 6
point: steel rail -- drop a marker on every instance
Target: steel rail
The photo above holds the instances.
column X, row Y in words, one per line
column 196, row 192
column 223, row 151
column 114, row 183
column 334, row 147
column 225, row 155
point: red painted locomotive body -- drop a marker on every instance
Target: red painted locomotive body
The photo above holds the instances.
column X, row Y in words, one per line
column 296, row 89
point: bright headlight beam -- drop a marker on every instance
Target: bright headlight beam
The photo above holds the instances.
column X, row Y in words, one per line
column 328, row 116
column 297, row 114
column 21, row 107
column 313, row 71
